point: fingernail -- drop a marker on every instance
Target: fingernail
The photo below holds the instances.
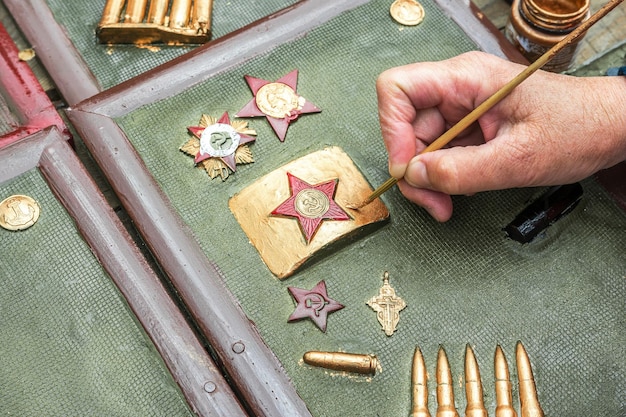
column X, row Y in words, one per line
column 397, row 170
column 416, row 174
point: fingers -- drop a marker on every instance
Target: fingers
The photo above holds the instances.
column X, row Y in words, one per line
column 418, row 102
column 438, row 205
column 396, row 115
column 532, row 138
column 541, row 148
column 471, row 169
column 430, row 179
column 407, row 112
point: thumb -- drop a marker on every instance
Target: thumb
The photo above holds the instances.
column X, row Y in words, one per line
column 468, row 169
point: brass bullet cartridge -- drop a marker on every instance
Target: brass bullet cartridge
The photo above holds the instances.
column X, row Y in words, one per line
column 179, row 13
column 419, row 384
column 135, row 11
column 504, row 398
column 111, row 12
column 147, row 21
column 473, row 386
column 445, row 392
column 529, row 405
column 157, row 11
column 341, row 361
column 201, row 15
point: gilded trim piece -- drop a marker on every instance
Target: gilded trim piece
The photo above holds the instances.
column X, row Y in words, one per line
column 136, row 21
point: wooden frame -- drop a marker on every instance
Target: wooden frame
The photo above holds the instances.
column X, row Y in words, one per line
column 26, row 99
column 198, row 377
column 252, row 367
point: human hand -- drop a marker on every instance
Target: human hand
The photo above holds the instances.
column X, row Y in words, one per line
column 552, row 129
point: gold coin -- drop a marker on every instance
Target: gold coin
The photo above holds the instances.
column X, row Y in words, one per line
column 18, row 212
column 407, row 12
column 278, row 100
column 312, row 203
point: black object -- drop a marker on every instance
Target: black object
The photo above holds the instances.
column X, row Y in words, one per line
column 616, row 71
column 555, row 203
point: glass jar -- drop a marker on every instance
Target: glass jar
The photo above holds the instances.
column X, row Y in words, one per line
column 535, row 26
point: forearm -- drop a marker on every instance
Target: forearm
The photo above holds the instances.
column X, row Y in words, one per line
column 610, row 118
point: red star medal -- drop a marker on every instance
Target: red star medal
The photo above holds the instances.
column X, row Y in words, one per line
column 311, row 204
column 219, row 145
column 277, row 101
column 314, row 304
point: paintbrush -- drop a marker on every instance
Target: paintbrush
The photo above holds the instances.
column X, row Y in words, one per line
column 465, row 122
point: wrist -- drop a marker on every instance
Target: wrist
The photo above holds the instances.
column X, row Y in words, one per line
column 608, row 118
column 616, row 116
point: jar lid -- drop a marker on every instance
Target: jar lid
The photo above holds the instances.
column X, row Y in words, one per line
column 555, row 15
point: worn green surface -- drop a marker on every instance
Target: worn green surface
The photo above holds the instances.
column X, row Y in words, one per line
column 8, row 121
column 70, row 345
column 464, row 281
column 113, row 64
column 616, row 57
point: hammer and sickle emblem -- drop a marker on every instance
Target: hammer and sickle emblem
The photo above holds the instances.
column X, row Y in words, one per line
column 312, row 204
column 316, row 302
column 218, row 139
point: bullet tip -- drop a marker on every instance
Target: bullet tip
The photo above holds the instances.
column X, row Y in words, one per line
column 501, row 367
column 471, row 365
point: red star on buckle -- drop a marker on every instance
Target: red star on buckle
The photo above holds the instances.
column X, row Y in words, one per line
column 314, row 304
column 277, row 101
column 311, row 204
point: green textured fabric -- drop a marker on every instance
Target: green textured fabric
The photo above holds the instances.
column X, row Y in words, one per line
column 70, row 345
column 8, row 121
column 113, row 64
column 463, row 281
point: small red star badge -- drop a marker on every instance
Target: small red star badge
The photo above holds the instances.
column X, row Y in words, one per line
column 311, row 204
column 277, row 101
column 218, row 145
column 314, row 304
